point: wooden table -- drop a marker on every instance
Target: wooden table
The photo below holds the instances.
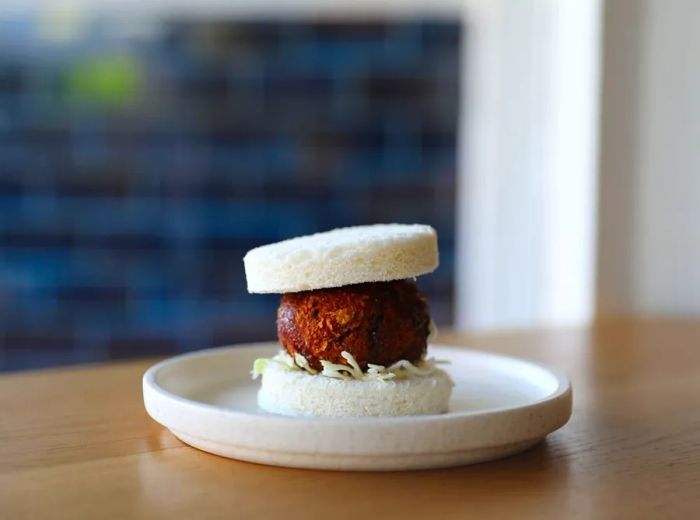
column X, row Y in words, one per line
column 76, row 443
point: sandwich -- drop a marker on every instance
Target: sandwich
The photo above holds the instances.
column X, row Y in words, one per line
column 352, row 325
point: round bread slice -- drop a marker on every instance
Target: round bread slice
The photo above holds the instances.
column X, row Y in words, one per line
column 345, row 256
column 300, row 393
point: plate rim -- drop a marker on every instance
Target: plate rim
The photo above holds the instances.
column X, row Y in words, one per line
column 563, row 390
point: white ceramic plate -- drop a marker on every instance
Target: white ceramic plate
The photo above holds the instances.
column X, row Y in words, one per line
column 499, row 406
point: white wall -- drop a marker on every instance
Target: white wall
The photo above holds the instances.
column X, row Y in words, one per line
column 649, row 260
column 527, row 195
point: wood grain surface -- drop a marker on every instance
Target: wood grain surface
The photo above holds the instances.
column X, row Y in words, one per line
column 77, row 443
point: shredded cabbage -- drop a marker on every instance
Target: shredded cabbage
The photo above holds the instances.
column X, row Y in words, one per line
column 302, row 362
column 282, row 359
column 399, row 370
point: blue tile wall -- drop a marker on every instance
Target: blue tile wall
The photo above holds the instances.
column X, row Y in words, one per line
column 137, row 168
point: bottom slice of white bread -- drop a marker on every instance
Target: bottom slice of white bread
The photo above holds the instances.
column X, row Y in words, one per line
column 300, row 393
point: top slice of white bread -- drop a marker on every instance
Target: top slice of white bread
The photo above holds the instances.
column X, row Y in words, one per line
column 377, row 253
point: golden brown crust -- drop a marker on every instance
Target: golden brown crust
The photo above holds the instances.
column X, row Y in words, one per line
column 378, row 323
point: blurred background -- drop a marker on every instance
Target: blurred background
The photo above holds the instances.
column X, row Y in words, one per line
column 146, row 146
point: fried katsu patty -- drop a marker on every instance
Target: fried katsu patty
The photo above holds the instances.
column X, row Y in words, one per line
column 378, row 323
